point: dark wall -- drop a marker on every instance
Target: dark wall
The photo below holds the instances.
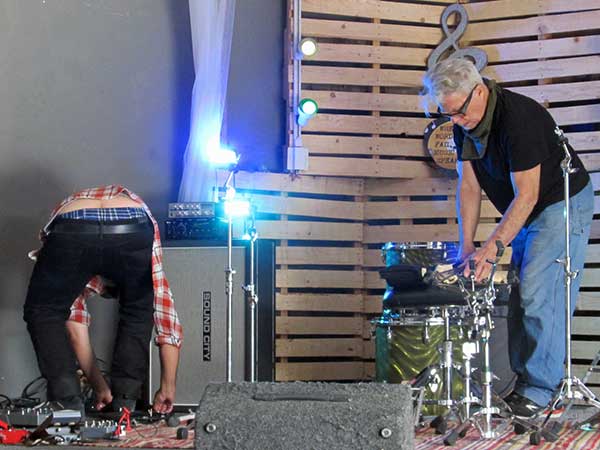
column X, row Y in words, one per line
column 255, row 110
column 97, row 92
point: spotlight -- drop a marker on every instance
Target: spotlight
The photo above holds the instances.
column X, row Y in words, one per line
column 237, row 207
column 307, row 108
column 223, row 157
column 307, row 47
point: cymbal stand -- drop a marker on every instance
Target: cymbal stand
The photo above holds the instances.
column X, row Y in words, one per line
column 571, row 387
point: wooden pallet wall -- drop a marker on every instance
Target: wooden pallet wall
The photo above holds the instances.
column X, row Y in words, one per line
column 366, row 77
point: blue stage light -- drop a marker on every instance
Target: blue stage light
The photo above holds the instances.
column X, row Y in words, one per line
column 237, row 207
column 222, row 156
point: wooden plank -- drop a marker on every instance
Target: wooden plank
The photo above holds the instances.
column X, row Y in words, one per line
column 579, row 370
column 349, row 256
column 535, row 70
column 373, row 280
column 346, row 123
column 591, row 161
column 563, row 92
column 319, row 325
column 373, row 304
column 421, row 209
column 586, row 326
column 365, row 101
column 592, row 254
column 591, row 277
column 430, row 14
column 572, row 115
column 515, row 8
column 368, row 54
column 371, row 31
column 533, row 26
column 376, row 9
column 319, row 302
column 588, row 301
column 585, row 349
column 290, row 348
column 589, row 140
column 281, row 182
column 378, row 234
column 348, row 145
column 547, row 48
column 361, row 76
column 319, row 371
column 595, row 181
column 299, row 278
column 323, row 231
column 363, row 167
column 308, row 207
column 434, row 186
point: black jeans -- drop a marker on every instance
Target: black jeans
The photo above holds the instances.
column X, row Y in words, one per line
column 67, row 261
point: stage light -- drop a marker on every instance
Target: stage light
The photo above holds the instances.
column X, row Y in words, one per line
column 307, row 108
column 237, row 207
column 222, row 156
column 307, row 47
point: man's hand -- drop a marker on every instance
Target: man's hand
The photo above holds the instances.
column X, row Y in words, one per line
column 481, row 257
column 164, row 400
column 102, row 398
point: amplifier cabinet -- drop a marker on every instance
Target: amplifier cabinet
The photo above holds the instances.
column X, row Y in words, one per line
column 196, row 274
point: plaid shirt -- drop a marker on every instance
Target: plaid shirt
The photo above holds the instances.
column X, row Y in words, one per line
column 168, row 327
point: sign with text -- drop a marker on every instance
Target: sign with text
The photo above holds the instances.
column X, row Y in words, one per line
column 439, row 141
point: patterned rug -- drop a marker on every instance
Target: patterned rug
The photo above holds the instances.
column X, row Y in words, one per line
column 569, row 438
column 162, row 436
column 148, row 436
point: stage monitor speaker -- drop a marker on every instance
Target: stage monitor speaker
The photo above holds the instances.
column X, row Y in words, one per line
column 196, row 275
column 294, row 416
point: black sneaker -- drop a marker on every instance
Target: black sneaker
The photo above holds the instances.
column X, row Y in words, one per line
column 523, row 407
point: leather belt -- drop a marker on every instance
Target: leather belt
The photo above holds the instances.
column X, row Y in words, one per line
column 99, row 227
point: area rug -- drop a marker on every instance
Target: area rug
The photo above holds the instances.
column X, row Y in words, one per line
column 157, row 435
column 569, row 438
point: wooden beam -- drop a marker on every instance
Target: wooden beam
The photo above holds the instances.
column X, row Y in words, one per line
column 298, row 278
column 319, row 302
column 347, row 256
column 363, row 167
column 319, row 371
column 308, row 207
column 319, row 325
column 320, row 231
column 349, row 145
column 344, row 347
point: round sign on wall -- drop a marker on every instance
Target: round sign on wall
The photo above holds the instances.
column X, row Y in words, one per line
column 439, row 140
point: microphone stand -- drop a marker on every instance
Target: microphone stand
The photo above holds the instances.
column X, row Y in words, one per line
column 252, row 297
column 571, row 387
column 229, row 272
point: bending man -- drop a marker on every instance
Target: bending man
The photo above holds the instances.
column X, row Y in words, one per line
column 507, row 147
column 106, row 232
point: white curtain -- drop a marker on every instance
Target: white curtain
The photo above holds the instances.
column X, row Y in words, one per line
column 212, row 30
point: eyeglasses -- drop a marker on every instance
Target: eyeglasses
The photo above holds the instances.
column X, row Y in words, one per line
column 463, row 109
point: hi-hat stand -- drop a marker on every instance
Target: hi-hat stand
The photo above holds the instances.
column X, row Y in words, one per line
column 571, row 387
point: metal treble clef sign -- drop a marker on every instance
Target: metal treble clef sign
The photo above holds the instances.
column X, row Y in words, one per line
column 478, row 56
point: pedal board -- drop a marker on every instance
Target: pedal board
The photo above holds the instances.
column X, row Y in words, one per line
column 95, row 430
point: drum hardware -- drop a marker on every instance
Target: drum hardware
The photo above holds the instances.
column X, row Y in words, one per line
column 482, row 303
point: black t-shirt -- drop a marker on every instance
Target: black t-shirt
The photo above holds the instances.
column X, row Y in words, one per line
column 521, row 137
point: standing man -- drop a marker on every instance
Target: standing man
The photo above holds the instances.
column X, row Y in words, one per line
column 506, row 146
column 94, row 235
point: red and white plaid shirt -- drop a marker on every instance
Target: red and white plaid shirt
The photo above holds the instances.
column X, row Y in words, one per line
column 168, row 327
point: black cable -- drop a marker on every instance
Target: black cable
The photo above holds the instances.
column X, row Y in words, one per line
column 6, row 403
column 25, row 394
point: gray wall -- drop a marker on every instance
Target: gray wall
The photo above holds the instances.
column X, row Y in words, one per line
column 96, row 92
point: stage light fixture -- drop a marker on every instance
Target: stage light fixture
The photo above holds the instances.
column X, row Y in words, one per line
column 237, row 207
column 307, row 108
column 307, row 47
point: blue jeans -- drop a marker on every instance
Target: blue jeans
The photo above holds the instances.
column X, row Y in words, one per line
column 536, row 317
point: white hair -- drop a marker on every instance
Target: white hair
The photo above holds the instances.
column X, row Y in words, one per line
column 452, row 75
